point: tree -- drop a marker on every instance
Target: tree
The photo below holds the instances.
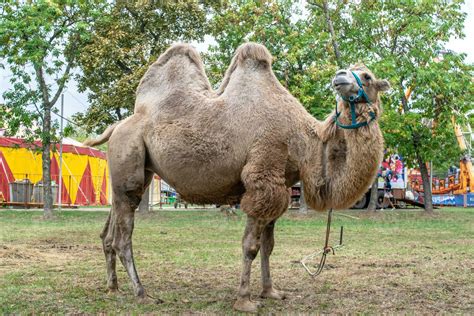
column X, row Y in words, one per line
column 40, row 42
column 303, row 205
column 128, row 37
column 372, row 206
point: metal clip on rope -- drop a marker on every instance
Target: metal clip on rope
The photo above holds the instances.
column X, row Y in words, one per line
column 327, row 249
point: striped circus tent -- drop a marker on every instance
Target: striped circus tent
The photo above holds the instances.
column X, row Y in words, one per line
column 84, row 176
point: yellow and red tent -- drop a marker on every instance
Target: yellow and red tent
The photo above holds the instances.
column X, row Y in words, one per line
column 84, row 173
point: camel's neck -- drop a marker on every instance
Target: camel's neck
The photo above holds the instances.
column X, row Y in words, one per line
column 338, row 170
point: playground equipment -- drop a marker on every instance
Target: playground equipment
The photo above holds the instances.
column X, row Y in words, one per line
column 466, row 175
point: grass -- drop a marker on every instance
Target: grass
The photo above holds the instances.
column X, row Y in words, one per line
column 392, row 262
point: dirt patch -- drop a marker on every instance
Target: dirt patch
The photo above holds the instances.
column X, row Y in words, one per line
column 43, row 252
column 388, row 264
column 63, row 246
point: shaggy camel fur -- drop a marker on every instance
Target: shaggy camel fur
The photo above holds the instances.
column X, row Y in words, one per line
column 247, row 142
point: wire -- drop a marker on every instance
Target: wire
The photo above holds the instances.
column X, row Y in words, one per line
column 72, row 95
column 72, row 122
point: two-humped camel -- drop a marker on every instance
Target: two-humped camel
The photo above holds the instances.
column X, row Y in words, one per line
column 249, row 141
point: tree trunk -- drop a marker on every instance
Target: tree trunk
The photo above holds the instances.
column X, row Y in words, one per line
column 303, row 206
column 373, row 196
column 426, row 185
column 46, row 142
column 330, row 26
column 46, row 132
column 144, row 207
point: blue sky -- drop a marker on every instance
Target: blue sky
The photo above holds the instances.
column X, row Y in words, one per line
column 75, row 101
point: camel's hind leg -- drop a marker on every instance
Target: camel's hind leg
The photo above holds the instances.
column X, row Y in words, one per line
column 109, row 235
column 123, row 221
column 110, row 256
column 129, row 180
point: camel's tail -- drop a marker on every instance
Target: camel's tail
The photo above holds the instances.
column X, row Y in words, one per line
column 102, row 138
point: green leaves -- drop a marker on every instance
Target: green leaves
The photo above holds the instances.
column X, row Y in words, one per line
column 126, row 39
column 40, row 45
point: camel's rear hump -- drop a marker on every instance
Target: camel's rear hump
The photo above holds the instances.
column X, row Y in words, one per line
column 247, row 52
column 253, row 51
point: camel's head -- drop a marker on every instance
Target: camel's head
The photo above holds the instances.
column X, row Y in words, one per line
column 349, row 82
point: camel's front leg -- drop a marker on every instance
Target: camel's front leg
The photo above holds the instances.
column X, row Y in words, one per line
column 250, row 247
column 268, row 241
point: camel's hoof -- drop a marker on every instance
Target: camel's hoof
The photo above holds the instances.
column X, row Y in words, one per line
column 246, row 305
column 274, row 294
column 141, row 296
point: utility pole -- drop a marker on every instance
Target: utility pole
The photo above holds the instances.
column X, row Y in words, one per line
column 303, row 205
column 431, row 173
column 152, row 192
column 60, row 178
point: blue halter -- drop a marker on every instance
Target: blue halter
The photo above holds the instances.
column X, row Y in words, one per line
column 352, row 102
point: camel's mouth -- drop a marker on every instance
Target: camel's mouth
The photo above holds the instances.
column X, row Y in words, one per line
column 340, row 81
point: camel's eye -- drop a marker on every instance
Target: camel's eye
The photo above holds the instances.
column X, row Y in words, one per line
column 367, row 77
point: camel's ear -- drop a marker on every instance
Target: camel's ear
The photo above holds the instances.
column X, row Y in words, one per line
column 382, row 85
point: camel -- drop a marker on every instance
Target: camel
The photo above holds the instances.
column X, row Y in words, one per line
column 247, row 143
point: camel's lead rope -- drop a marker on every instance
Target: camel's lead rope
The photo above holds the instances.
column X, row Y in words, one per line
column 327, row 249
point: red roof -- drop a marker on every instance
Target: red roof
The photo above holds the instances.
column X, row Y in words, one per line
column 13, row 142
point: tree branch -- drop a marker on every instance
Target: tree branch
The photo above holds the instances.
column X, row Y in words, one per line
column 119, row 114
column 316, row 4
column 404, row 98
column 123, row 67
column 57, row 32
column 62, row 83
column 330, row 26
column 42, row 84
column 137, row 17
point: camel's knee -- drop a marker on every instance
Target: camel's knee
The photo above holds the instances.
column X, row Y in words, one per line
column 251, row 252
column 107, row 245
column 251, row 246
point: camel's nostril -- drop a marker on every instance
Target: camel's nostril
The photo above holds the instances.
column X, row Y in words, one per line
column 341, row 73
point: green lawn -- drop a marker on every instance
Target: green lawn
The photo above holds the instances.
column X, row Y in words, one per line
column 392, row 262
